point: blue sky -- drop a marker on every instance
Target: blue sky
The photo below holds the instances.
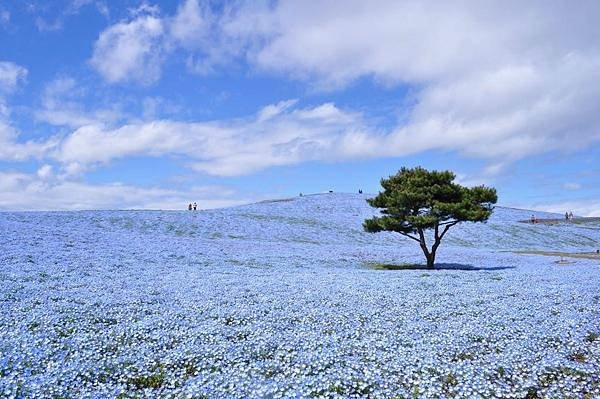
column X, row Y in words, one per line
column 156, row 104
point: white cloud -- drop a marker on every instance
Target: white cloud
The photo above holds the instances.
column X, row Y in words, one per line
column 144, row 9
column 10, row 76
column 13, row 150
column 57, row 22
column 45, row 172
column 62, row 105
column 500, row 81
column 510, row 113
column 130, row 50
column 45, row 25
column 582, row 207
column 204, row 35
column 396, row 41
column 273, row 110
column 4, row 17
column 278, row 135
column 103, row 9
column 489, row 80
column 21, row 191
column 57, row 109
column 134, row 50
column 75, row 5
column 471, row 180
column 191, row 26
column 572, row 186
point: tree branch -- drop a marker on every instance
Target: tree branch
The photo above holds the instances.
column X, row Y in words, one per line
column 423, row 242
column 448, row 225
column 452, row 222
column 409, row 236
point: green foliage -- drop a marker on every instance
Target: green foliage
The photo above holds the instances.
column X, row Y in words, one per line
column 154, row 381
column 577, row 357
column 415, row 199
column 532, row 393
column 418, row 198
column 591, row 337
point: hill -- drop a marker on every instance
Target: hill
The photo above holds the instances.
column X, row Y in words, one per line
column 281, row 299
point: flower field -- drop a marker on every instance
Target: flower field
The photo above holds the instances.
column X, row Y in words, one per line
column 284, row 299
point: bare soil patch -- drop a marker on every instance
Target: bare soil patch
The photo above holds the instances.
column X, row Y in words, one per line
column 550, row 222
column 582, row 255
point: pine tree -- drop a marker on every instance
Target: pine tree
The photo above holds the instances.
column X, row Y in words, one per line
column 415, row 200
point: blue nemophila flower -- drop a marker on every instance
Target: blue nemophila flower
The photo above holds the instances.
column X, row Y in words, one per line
column 279, row 300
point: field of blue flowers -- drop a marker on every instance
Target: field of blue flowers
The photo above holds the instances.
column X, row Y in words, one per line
column 281, row 299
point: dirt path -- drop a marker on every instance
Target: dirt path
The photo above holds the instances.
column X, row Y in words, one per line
column 579, row 220
column 583, row 255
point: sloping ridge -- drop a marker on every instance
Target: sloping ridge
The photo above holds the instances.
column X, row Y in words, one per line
column 338, row 216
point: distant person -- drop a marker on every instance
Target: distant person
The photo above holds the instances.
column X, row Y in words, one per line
column 570, row 215
column 190, row 207
column 566, row 215
column 532, row 219
column 195, row 206
column 301, row 194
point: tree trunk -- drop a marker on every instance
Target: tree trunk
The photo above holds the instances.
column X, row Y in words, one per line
column 434, row 247
column 430, row 256
column 437, row 239
column 430, row 260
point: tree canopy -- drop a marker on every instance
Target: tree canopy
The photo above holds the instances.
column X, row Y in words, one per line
column 415, row 200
